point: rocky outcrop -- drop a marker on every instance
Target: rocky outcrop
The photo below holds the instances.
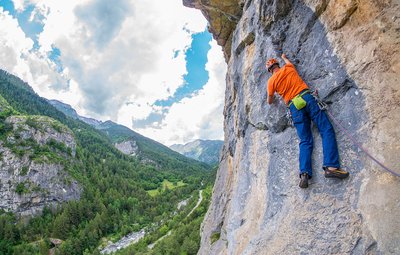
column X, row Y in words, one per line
column 34, row 153
column 349, row 51
column 128, row 147
column 222, row 16
column 40, row 129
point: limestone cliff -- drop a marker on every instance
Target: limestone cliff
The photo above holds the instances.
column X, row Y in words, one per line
column 350, row 51
column 34, row 152
column 128, row 147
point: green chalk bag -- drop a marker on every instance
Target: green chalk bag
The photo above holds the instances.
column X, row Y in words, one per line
column 299, row 102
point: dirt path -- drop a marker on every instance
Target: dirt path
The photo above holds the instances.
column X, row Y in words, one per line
column 198, row 202
column 150, row 246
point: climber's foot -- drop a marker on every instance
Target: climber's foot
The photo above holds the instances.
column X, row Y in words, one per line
column 333, row 172
column 303, row 181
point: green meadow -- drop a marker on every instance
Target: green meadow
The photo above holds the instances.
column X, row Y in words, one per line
column 165, row 185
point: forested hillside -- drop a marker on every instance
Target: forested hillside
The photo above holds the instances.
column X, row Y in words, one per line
column 114, row 200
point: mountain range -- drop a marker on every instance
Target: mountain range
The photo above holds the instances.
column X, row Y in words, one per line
column 133, row 143
column 71, row 112
column 207, row 151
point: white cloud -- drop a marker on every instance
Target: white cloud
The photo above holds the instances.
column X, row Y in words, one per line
column 125, row 61
column 17, row 57
column 19, row 5
column 200, row 116
column 118, row 62
column 13, row 43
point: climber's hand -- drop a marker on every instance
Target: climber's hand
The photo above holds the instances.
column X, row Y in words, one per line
column 285, row 59
column 270, row 99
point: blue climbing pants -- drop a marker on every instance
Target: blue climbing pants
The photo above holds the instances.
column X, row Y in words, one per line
column 302, row 121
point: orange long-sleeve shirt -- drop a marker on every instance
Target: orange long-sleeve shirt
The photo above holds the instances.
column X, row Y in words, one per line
column 286, row 82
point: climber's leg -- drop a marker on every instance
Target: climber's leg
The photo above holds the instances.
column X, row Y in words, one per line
column 302, row 122
column 329, row 144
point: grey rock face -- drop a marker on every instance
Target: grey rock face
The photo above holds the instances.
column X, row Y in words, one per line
column 349, row 51
column 128, row 147
column 27, row 184
column 42, row 130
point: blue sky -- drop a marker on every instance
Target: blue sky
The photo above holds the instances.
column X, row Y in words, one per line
column 136, row 63
column 197, row 76
column 194, row 80
column 30, row 28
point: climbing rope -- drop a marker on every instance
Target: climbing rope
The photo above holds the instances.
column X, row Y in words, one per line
column 323, row 106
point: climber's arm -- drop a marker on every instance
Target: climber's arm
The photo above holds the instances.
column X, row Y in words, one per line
column 287, row 61
column 270, row 91
column 270, row 99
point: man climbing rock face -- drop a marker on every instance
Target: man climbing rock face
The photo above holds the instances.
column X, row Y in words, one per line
column 304, row 108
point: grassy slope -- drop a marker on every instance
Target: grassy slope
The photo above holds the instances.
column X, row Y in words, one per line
column 164, row 186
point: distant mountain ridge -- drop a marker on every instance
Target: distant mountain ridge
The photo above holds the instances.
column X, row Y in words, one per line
column 132, row 143
column 207, row 151
column 71, row 112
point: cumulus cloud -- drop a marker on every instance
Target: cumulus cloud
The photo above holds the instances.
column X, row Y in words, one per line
column 13, row 42
column 20, row 5
column 200, row 116
column 135, row 65
column 18, row 57
column 103, row 19
column 117, row 60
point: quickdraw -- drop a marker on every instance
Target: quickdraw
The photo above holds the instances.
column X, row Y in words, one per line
column 321, row 104
column 289, row 116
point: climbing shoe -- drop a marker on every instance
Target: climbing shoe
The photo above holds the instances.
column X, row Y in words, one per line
column 303, row 180
column 335, row 173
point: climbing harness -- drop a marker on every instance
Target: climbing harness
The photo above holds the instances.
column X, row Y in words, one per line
column 323, row 106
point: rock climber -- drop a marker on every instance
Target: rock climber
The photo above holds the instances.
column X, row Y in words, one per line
column 303, row 107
